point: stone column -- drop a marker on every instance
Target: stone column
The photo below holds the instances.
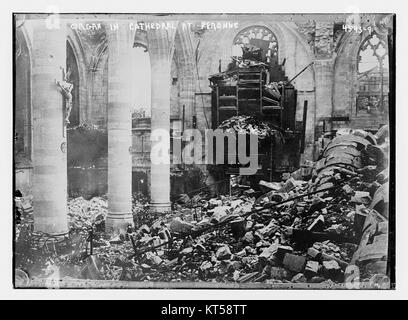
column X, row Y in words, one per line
column 161, row 50
column 49, row 131
column 119, row 130
column 324, row 76
column 187, row 73
column 324, row 63
column 324, row 88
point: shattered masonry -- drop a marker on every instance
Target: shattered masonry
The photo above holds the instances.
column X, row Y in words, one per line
column 310, row 208
column 320, row 237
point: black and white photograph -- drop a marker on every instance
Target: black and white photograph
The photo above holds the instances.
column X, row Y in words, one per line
column 203, row 150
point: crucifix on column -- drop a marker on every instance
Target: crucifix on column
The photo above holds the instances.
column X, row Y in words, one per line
column 66, row 88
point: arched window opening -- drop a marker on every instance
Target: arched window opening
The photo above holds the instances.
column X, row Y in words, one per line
column 141, row 83
column 257, row 41
column 73, row 77
column 141, row 114
column 373, row 76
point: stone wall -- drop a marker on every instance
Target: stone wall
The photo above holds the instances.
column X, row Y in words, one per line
column 329, row 85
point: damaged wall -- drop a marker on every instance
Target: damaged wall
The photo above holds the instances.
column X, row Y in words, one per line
column 329, row 86
column 322, row 228
column 346, row 85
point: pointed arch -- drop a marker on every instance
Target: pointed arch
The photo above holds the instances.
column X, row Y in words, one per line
column 261, row 37
column 372, row 75
column 184, row 54
column 76, row 58
column 350, row 98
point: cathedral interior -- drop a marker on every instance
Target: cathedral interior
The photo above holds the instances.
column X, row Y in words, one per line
column 91, row 88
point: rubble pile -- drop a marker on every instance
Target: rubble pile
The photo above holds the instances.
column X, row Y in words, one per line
column 255, row 243
column 308, row 228
column 244, row 124
column 82, row 214
column 40, row 255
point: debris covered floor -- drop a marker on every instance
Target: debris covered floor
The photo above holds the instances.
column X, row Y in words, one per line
column 318, row 226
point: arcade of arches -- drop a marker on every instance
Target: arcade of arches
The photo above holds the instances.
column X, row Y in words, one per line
column 349, row 80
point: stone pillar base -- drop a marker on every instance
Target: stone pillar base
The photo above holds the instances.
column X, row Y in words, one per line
column 118, row 222
column 54, row 230
column 160, row 207
column 56, row 238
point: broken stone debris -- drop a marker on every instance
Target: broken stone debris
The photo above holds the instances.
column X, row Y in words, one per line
column 293, row 262
column 223, row 253
column 238, row 238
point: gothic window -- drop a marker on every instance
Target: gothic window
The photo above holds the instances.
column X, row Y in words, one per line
column 260, row 37
column 373, row 76
column 73, row 71
column 141, row 80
